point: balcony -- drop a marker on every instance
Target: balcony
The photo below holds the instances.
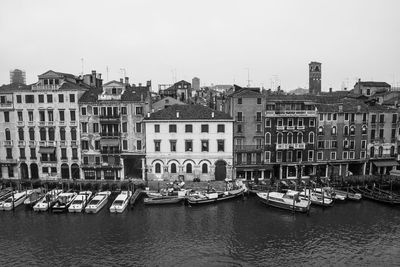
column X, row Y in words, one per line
column 110, row 118
column 21, row 143
column 238, row 148
column 63, row 143
column 239, row 119
column 290, row 127
column 8, row 161
column 282, row 146
column 301, row 127
column 32, row 143
column 51, row 143
column 247, row 163
column 8, row 143
column 280, row 127
column 110, row 151
column 110, row 134
column 6, row 105
column 50, row 123
column 74, row 143
column 20, row 123
column 299, row 146
column 290, row 113
column 42, row 143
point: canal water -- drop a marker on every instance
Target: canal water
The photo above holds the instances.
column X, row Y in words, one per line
column 235, row 233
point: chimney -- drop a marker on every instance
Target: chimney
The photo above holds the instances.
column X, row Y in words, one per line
column 330, row 89
column 148, row 84
column 121, row 80
column 140, row 84
column 177, row 114
column 340, row 108
column 212, row 114
column 126, row 80
column 94, row 73
column 359, row 108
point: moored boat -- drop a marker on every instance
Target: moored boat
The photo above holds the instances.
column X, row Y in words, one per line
column 13, row 201
column 121, row 202
column 33, row 197
column 329, row 193
column 349, row 195
column 379, row 195
column 47, row 201
column 163, row 200
column 63, row 201
column 98, row 202
column 290, row 200
column 317, row 198
column 210, row 197
column 80, row 201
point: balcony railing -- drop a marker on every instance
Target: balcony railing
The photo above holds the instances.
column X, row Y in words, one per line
column 110, row 117
column 21, row 143
column 6, row 105
column 291, row 113
column 248, row 147
column 8, row 143
column 301, row 127
column 239, row 119
column 110, row 134
column 299, row 146
column 32, row 143
column 108, row 151
column 280, row 127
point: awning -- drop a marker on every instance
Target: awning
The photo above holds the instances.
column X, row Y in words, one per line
column 395, row 172
column 385, row 163
column 47, row 150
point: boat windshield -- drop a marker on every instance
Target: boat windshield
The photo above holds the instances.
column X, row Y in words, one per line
column 77, row 202
column 118, row 202
column 94, row 202
column 8, row 200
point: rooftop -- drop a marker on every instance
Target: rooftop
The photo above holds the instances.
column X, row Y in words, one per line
column 188, row 112
column 372, row 84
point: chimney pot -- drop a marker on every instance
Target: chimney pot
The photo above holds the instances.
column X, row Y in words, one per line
column 126, row 80
column 330, row 90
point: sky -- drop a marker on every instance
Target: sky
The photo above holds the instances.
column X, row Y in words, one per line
column 262, row 43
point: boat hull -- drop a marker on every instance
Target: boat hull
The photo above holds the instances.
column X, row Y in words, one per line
column 198, row 201
column 163, row 200
column 97, row 208
column 284, row 206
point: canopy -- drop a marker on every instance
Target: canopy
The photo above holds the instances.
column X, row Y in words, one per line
column 386, row 163
column 47, row 150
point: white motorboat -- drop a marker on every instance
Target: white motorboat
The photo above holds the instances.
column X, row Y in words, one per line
column 349, row 195
column 329, row 192
column 98, row 202
column 47, row 201
column 63, row 201
column 317, row 198
column 80, row 201
column 121, row 202
column 290, row 200
column 14, row 201
column 33, row 197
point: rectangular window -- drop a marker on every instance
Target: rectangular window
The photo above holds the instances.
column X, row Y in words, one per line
column 239, row 116
column 22, row 153
column 49, row 98
column 352, row 144
column 42, row 115
column 321, row 117
column 267, row 156
column 156, row 128
column 6, row 116
column 321, row 144
column 381, row 131
column 85, row 145
column 362, row 154
column 372, row 134
column 50, row 115
column 83, row 111
column 239, row 101
column 9, row 153
column 33, row 153
column 239, row 128
column 29, row 99
column 19, row 99
column 157, row 145
column 71, row 98
column 62, row 116
column 188, row 145
column 363, row 144
column 97, row 144
column 268, row 123
column 172, row 145
column 20, row 117
column 41, row 98
column 72, row 115
column 204, row 128
column 125, row 144
column 172, row 128
column 333, row 144
column 259, row 101
column 345, row 155
column 188, row 128
column 333, row 155
column 393, row 133
column 351, row 154
column 346, row 116
column 312, row 123
column 310, row 155
column 373, row 118
column 279, row 156
column 124, row 127
column 329, row 116
column 139, row 110
column 30, row 115
column 123, row 110
column 221, row 128
column 204, row 145
column 60, row 98
column 334, row 116
column 95, row 127
column 84, row 127
column 320, row 155
column 258, row 116
column 63, row 153
column 300, row 122
column 258, row 128
column 95, row 111
column 381, row 118
column 139, row 144
column 221, row 145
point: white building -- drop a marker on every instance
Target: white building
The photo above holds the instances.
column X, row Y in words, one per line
column 189, row 140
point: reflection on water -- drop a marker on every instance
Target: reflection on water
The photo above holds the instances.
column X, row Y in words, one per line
column 236, row 233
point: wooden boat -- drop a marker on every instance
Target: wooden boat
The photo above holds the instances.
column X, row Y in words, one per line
column 317, row 198
column 379, row 195
column 5, row 193
column 13, row 201
column 33, row 197
column 121, row 202
column 290, row 200
column 98, row 202
column 47, row 201
column 163, row 200
column 349, row 195
column 63, row 201
column 207, row 197
column 80, row 201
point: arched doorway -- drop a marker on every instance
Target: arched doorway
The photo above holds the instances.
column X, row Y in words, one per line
column 24, row 171
column 64, row 171
column 220, row 170
column 75, row 171
column 34, row 171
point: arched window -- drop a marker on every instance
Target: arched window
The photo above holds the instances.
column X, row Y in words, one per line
column 364, row 129
column 73, row 134
column 290, row 138
column 8, row 135
column 300, row 138
column 333, row 131
column 173, row 168
column 372, row 152
column 311, row 137
column 204, row 168
column 380, row 151
column 189, row 168
column 267, row 138
column 51, row 134
column 392, row 151
column 352, row 130
column 42, row 134
column 62, row 134
column 158, row 168
column 32, row 134
column 280, row 138
column 346, row 130
column 320, row 130
column 21, row 134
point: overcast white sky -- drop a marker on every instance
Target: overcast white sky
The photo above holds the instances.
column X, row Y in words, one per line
column 217, row 41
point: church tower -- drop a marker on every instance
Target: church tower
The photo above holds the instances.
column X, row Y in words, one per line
column 314, row 86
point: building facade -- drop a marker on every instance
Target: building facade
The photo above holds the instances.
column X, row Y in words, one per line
column 189, row 141
column 314, row 83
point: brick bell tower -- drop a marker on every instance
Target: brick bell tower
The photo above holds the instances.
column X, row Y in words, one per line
column 314, row 86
